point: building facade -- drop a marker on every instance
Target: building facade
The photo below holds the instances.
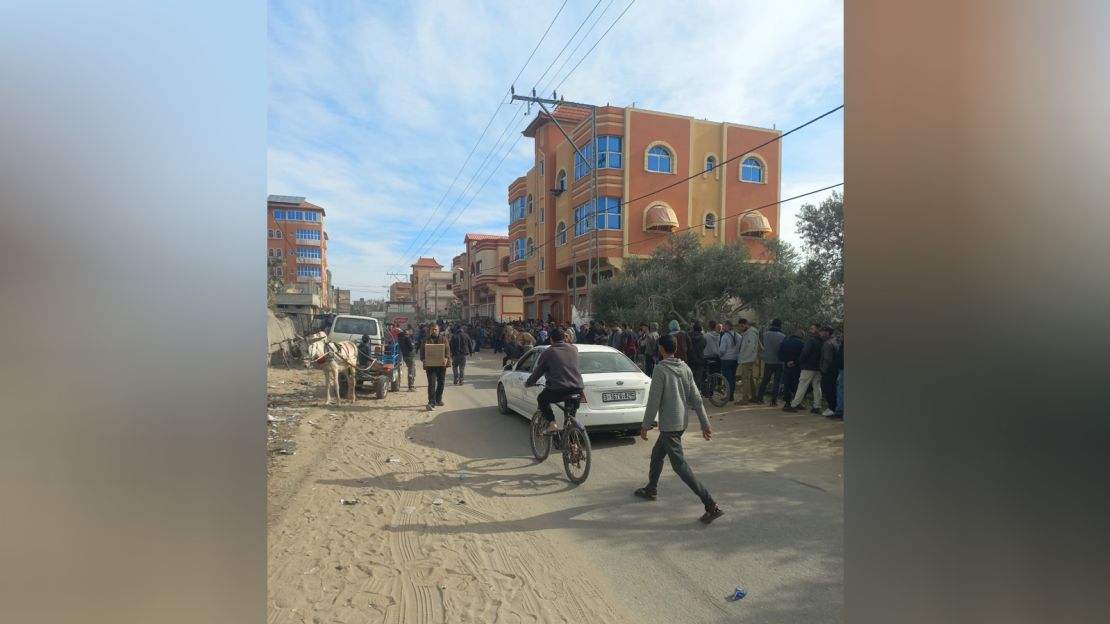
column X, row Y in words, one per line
column 431, row 287
column 297, row 246
column 400, row 291
column 560, row 245
column 480, row 279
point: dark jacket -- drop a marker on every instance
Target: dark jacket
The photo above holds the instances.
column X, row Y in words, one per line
column 696, row 356
column 790, row 349
column 559, row 363
column 810, row 359
column 461, row 345
column 405, row 342
column 828, row 356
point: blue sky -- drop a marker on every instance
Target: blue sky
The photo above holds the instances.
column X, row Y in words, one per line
column 374, row 106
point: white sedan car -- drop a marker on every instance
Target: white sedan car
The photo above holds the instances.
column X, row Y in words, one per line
column 615, row 395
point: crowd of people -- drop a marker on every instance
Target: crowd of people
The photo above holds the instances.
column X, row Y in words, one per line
column 793, row 365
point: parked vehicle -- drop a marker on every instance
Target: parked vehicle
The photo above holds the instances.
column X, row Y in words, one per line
column 350, row 327
column 614, row 398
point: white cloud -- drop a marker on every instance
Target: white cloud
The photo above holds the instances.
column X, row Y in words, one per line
column 375, row 106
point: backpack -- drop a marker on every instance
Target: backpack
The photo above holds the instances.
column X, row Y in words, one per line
column 628, row 344
column 682, row 346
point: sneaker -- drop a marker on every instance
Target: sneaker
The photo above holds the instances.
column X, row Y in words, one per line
column 646, row 493
column 789, row 408
column 429, row 407
column 827, row 413
column 439, row 403
column 711, row 514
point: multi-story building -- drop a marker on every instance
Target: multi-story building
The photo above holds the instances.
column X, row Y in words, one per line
column 431, row 287
column 557, row 238
column 296, row 238
column 400, row 291
column 480, row 279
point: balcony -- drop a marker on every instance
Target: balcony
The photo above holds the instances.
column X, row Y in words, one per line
column 308, row 260
column 308, row 241
column 309, row 278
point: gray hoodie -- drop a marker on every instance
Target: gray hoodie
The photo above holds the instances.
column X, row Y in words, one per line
column 672, row 392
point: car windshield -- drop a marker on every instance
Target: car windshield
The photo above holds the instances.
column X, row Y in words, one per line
column 357, row 326
column 605, row 362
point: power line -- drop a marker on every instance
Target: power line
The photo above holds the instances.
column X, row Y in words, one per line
column 594, row 45
column 569, row 41
column 580, row 42
column 483, row 135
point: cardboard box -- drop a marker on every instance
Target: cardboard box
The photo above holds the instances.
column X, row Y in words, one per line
column 434, row 354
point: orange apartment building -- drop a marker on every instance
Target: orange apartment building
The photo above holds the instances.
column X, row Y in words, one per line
column 431, row 287
column 480, row 279
column 295, row 233
column 553, row 232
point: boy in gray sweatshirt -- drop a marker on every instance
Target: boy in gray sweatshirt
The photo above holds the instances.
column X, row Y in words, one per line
column 672, row 392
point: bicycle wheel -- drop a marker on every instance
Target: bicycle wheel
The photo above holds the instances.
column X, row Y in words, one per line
column 718, row 390
column 576, row 455
column 541, row 444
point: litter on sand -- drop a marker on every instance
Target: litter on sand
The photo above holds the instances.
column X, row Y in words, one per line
column 349, row 501
column 737, row 594
column 392, row 460
column 437, row 501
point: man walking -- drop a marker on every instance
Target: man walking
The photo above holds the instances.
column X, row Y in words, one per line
column 772, row 365
column 435, row 370
column 749, row 355
column 730, row 355
column 404, row 341
column 671, row 395
column 461, row 348
column 810, row 363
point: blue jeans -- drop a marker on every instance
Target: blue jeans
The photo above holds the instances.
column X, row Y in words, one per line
column 728, row 369
column 840, row 395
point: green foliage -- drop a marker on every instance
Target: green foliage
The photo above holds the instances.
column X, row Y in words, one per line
column 684, row 280
column 822, row 229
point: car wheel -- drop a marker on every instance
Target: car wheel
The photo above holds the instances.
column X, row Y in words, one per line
column 502, row 400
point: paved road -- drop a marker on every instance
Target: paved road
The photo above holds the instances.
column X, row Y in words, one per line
column 776, row 475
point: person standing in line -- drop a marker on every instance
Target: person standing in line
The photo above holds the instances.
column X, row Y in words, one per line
column 711, row 353
column 436, row 371
column 404, row 342
column 810, row 363
column 829, row 370
column 461, row 348
column 730, row 354
column 629, row 343
column 749, row 356
column 839, row 413
column 671, row 395
column 682, row 340
column 696, row 357
column 789, row 353
column 772, row 365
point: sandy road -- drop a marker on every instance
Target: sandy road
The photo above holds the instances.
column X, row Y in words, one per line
column 511, row 540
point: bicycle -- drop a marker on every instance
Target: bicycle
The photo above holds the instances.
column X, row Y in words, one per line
column 572, row 440
column 717, row 387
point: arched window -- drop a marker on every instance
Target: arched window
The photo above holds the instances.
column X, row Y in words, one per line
column 531, row 204
column 561, row 234
column 561, row 180
column 660, row 160
column 531, row 247
column 751, row 170
column 710, row 221
column 277, row 234
column 710, row 163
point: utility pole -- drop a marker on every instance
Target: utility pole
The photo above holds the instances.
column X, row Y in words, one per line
column 593, row 179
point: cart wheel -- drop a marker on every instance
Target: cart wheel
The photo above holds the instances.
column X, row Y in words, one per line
column 395, row 385
column 380, row 388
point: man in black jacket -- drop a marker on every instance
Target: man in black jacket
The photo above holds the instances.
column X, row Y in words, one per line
column 789, row 351
column 810, row 363
column 461, row 348
column 404, row 341
column 559, row 364
column 696, row 357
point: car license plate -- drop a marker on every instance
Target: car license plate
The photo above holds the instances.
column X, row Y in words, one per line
column 627, row 395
